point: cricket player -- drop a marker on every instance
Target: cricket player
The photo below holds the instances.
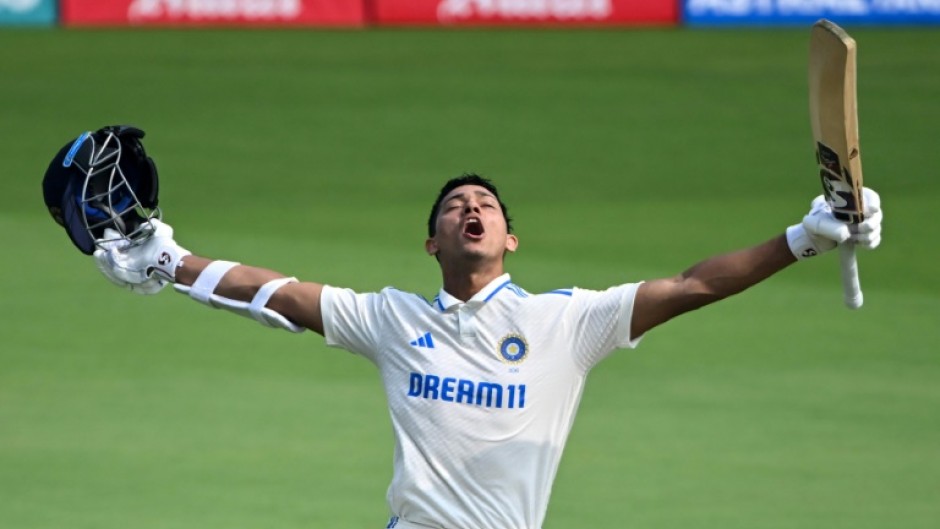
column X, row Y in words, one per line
column 483, row 381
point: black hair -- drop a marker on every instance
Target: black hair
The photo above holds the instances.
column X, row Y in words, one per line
column 465, row 179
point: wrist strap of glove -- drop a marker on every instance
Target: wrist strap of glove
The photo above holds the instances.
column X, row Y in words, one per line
column 167, row 259
column 801, row 243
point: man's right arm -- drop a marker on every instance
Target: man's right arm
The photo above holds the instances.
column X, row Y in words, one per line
column 258, row 293
column 298, row 302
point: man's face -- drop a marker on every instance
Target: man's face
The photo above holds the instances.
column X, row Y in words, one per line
column 470, row 225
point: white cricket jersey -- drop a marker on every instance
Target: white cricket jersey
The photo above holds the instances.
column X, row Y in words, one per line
column 482, row 393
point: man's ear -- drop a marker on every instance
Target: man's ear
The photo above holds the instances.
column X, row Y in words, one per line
column 430, row 246
column 512, row 243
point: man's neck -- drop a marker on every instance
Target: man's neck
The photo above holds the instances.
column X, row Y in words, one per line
column 464, row 284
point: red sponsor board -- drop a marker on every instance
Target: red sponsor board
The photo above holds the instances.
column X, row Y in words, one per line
column 212, row 12
column 526, row 12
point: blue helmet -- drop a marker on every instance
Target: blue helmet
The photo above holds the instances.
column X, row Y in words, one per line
column 103, row 179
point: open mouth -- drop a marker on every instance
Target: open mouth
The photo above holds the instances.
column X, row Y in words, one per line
column 473, row 228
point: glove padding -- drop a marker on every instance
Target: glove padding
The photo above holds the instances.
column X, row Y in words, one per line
column 142, row 268
column 113, row 270
column 820, row 231
column 867, row 234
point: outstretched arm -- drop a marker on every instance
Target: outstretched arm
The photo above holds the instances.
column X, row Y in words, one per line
column 716, row 278
column 713, row 279
column 298, row 302
column 258, row 293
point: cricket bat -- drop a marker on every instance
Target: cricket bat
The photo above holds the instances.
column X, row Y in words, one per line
column 833, row 111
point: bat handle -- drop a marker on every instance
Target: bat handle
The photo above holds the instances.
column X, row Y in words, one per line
column 851, row 286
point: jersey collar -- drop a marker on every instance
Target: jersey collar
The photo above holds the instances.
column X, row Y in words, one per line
column 445, row 301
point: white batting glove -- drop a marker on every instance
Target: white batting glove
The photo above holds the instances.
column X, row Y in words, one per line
column 867, row 234
column 820, row 231
column 144, row 268
column 113, row 273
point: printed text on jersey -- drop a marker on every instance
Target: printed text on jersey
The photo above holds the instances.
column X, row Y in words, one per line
column 463, row 391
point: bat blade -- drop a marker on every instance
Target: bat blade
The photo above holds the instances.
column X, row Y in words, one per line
column 834, row 117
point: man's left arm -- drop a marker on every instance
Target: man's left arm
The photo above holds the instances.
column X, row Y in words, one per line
column 716, row 278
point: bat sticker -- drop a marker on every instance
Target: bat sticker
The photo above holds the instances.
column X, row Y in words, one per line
column 836, row 182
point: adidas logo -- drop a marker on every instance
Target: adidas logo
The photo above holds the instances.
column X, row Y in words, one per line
column 423, row 341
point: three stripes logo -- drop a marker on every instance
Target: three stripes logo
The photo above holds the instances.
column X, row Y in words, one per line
column 424, row 341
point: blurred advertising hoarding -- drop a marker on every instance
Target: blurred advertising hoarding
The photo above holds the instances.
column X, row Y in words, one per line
column 525, row 12
column 27, row 12
column 212, row 12
column 805, row 12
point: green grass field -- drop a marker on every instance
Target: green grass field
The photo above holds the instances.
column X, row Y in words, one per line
column 623, row 155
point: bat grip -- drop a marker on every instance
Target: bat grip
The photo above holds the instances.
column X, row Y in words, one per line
column 851, row 286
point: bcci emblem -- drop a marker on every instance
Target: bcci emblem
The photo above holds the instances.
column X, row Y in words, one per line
column 513, row 349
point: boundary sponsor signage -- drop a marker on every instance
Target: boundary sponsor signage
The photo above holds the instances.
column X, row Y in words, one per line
column 525, row 12
column 27, row 12
column 806, row 12
column 212, row 12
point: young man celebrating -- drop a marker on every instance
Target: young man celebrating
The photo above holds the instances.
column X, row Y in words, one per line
column 484, row 381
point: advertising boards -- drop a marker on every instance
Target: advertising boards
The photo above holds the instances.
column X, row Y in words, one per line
column 27, row 12
column 806, row 12
column 525, row 12
column 212, row 12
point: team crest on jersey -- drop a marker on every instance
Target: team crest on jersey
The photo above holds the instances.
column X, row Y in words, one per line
column 513, row 349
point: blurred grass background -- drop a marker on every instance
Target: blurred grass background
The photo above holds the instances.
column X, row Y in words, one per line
column 623, row 155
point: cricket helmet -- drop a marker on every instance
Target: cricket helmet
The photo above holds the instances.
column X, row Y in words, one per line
column 103, row 179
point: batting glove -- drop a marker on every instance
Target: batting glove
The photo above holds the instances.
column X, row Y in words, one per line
column 143, row 268
column 106, row 259
column 820, row 231
column 867, row 234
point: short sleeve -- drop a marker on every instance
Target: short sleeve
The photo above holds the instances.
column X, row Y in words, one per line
column 351, row 320
column 601, row 322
